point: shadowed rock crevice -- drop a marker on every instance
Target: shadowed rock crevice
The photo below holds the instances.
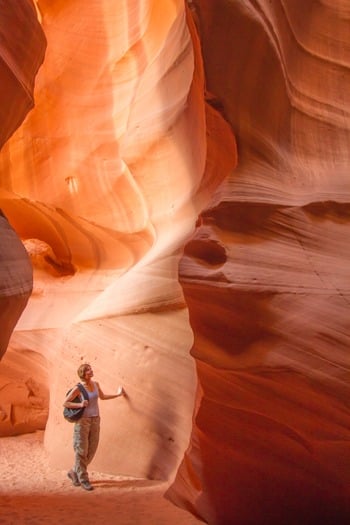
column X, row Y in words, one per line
column 16, row 281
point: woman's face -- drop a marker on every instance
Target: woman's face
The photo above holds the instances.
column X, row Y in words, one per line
column 88, row 373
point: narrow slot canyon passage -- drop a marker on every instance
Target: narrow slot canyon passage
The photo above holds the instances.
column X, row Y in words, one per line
column 176, row 177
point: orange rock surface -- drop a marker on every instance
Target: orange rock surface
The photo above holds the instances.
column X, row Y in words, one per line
column 266, row 275
column 129, row 141
column 103, row 182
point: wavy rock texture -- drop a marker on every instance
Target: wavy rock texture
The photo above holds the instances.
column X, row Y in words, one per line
column 16, row 281
column 22, row 47
column 103, row 182
column 266, row 276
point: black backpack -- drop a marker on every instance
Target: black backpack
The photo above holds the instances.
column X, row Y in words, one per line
column 73, row 414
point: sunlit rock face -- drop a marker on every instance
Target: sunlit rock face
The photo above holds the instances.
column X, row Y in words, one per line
column 22, row 47
column 103, row 182
column 266, row 275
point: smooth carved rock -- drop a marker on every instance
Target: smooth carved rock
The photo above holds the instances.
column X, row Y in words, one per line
column 22, row 48
column 16, row 281
column 266, row 275
column 103, row 182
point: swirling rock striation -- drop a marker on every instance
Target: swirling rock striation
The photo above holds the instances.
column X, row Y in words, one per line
column 22, row 49
column 103, row 182
column 16, row 280
column 266, row 275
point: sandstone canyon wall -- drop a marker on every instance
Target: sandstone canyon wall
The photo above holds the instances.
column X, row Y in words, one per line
column 266, row 276
column 22, row 47
column 104, row 181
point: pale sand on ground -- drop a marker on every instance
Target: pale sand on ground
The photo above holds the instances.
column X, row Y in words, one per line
column 33, row 493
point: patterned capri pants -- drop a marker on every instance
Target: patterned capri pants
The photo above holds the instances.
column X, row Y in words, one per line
column 85, row 441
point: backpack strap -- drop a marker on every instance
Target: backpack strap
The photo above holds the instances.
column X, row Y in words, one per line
column 83, row 391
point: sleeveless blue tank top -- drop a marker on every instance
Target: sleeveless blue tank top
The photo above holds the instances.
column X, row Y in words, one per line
column 92, row 409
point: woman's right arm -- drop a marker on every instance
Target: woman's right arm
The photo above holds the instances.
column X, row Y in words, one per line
column 72, row 394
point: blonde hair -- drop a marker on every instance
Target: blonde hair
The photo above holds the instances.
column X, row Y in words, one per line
column 82, row 370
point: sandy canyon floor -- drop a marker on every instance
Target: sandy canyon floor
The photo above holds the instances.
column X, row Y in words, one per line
column 31, row 492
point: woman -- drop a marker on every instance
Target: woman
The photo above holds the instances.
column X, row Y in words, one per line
column 87, row 428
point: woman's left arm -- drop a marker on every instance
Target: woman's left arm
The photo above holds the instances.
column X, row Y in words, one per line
column 103, row 396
